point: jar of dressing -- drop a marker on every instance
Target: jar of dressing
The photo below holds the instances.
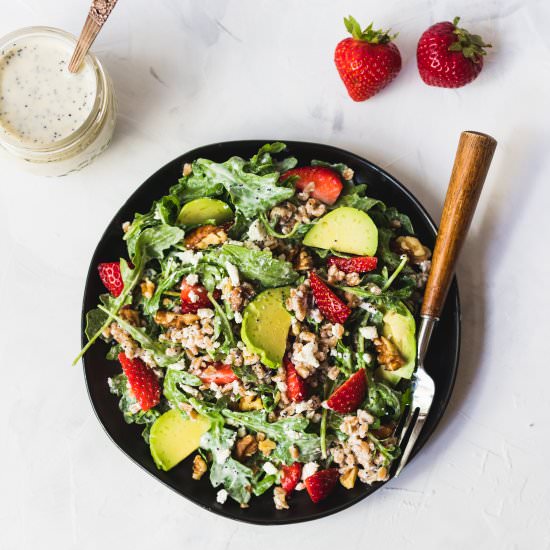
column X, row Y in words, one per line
column 52, row 122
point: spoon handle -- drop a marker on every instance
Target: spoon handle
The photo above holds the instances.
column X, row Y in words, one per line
column 98, row 14
column 472, row 161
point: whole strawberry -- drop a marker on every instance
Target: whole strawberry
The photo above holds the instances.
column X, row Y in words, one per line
column 448, row 56
column 367, row 62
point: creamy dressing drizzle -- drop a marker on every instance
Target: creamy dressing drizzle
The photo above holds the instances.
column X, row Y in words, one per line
column 41, row 102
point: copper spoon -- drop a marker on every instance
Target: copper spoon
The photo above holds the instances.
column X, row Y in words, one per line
column 98, row 14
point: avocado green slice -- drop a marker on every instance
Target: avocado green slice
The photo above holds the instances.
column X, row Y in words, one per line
column 345, row 229
column 174, row 437
column 265, row 326
column 201, row 211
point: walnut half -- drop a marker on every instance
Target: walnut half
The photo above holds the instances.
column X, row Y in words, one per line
column 245, row 447
column 413, row 248
column 388, row 354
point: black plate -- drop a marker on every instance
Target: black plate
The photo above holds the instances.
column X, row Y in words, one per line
column 442, row 356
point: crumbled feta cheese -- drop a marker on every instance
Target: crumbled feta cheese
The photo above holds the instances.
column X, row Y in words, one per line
column 315, row 315
column 269, row 469
column 233, row 273
column 256, row 231
column 300, row 487
column 190, row 390
column 306, row 355
column 205, row 313
column 192, row 279
column 368, row 307
column 221, row 455
column 134, row 408
column 309, row 469
column 193, row 296
column 367, row 357
column 301, row 407
column 238, row 317
column 369, row 333
column 222, row 495
column 110, row 383
column 189, row 257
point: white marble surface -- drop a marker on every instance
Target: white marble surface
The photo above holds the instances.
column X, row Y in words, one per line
column 257, row 68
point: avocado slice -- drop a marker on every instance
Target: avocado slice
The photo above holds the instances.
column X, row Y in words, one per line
column 201, row 211
column 265, row 326
column 174, row 437
column 400, row 328
column 345, row 229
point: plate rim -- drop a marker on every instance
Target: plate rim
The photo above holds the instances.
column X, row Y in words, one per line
column 453, row 291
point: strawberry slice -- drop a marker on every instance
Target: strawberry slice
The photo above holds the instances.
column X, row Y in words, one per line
column 328, row 184
column 349, row 396
column 357, row 264
column 109, row 273
column 296, row 387
column 218, row 373
column 321, row 484
column 291, row 476
column 193, row 297
column 328, row 303
column 144, row 383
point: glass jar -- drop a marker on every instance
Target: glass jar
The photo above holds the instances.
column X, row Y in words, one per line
column 36, row 96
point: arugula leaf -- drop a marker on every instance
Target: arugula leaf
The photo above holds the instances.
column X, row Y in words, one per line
column 250, row 193
column 354, row 196
column 118, row 385
column 256, row 265
column 172, row 386
column 285, row 431
column 225, row 470
column 383, row 401
column 150, row 245
column 262, row 162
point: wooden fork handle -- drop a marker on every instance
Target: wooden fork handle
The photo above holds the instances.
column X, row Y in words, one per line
column 473, row 158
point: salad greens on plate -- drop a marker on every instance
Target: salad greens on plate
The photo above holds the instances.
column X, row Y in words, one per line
column 264, row 321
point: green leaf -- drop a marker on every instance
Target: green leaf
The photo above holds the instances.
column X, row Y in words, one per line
column 285, row 431
column 225, row 470
column 256, row 265
column 250, row 193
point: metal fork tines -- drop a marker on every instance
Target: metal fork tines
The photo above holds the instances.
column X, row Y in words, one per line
column 422, row 396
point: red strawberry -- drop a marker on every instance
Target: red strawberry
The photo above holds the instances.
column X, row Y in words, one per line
column 349, row 396
column 218, row 373
column 328, row 303
column 358, row 264
column 143, row 381
column 327, row 182
column 321, row 484
column 367, row 62
column 193, row 297
column 291, row 476
column 109, row 273
column 295, row 384
column 449, row 57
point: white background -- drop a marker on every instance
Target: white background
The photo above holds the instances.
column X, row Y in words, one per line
column 256, row 68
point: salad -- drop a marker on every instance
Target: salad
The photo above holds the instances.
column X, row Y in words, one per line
column 264, row 323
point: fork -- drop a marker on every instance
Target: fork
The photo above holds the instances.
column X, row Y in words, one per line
column 472, row 160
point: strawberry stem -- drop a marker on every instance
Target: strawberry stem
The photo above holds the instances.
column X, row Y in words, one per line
column 370, row 35
column 471, row 45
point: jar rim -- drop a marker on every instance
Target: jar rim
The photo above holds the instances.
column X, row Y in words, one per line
column 67, row 142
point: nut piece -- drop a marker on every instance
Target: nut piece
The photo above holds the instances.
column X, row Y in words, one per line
column 199, row 467
column 348, row 174
column 130, row 316
column 205, row 236
column 177, row 320
column 187, row 169
column 147, row 288
column 279, row 498
column 413, row 248
column 388, row 355
column 267, row 446
column 303, row 262
column 250, row 403
column 348, row 478
column 245, row 447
